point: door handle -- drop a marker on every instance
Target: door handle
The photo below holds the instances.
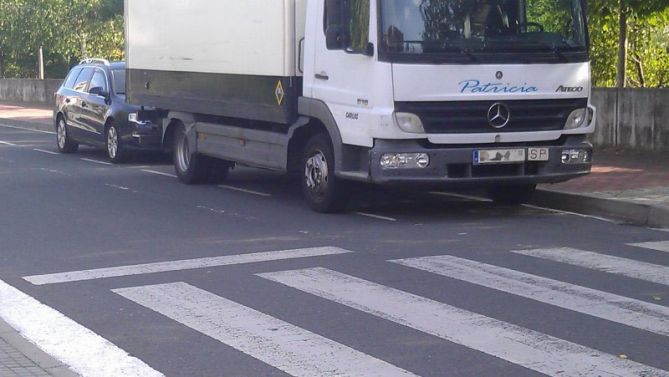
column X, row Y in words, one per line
column 322, row 76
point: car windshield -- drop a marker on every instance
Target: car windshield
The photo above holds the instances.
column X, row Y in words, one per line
column 119, row 81
column 442, row 27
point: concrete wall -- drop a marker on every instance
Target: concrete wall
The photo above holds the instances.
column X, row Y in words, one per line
column 632, row 118
column 28, row 90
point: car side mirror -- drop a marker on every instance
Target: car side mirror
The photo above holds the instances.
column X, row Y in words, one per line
column 98, row 91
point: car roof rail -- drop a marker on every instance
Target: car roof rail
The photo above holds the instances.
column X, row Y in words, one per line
column 95, row 61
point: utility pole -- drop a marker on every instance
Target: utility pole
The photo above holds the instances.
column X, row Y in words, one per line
column 41, row 63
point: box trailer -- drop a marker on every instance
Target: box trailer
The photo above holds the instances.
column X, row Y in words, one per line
column 480, row 93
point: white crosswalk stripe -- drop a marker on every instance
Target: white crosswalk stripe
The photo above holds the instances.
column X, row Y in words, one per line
column 286, row 347
column 528, row 348
column 605, row 263
column 627, row 311
column 658, row 246
column 179, row 265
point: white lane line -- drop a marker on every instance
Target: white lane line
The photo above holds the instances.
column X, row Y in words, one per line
column 233, row 188
column 122, row 188
column 7, row 143
column 179, row 265
column 159, row 173
column 461, row 196
column 378, row 217
column 45, row 151
column 96, row 161
column 85, row 352
column 28, row 129
column 286, row 347
column 528, row 348
column 627, row 267
column 657, row 246
column 627, row 311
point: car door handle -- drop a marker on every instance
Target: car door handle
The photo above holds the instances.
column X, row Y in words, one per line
column 322, row 76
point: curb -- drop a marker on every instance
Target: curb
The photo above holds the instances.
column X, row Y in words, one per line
column 44, row 361
column 27, row 124
column 623, row 210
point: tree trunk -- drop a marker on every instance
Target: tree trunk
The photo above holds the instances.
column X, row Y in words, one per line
column 622, row 47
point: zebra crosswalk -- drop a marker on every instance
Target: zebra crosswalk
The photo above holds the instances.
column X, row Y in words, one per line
column 300, row 349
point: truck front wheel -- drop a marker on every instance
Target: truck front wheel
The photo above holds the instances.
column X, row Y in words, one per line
column 193, row 168
column 323, row 191
column 511, row 194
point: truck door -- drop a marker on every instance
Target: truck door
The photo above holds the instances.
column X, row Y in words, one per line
column 343, row 65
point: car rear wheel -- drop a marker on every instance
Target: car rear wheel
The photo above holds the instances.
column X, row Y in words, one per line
column 115, row 150
column 63, row 140
column 323, row 191
column 193, row 168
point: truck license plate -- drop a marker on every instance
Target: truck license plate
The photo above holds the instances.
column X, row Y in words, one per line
column 537, row 154
column 499, row 156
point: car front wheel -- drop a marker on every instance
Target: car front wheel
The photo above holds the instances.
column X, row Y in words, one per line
column 115, row 150
column 63, row 140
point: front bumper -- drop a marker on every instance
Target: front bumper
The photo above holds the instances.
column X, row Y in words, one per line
column 454, row 165
column 143, row 136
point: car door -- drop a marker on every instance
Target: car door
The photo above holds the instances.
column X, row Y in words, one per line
column 94, row 107
column 75, row 104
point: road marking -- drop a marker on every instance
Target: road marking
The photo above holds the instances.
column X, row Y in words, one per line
column 7, row 143
column 85, row 352
column 179, row 265
column 289, row 348
column 378, row 217
column 122, row 188
column 233, row 188
column 531, row 349
column 96, row 161
column 45, row 151
column 461, row 196
column 627, row 267
column 627, row 311
column 28, row 129
column 159, row 173
column 658, row 246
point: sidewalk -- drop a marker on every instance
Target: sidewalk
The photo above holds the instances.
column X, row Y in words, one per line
column 19, row 358
column 628, row 186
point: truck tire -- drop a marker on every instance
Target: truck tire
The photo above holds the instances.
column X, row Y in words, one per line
column 194, row 168
column 323, row 191
column 511, row 194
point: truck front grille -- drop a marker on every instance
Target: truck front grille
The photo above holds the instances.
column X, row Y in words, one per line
column 472, row 116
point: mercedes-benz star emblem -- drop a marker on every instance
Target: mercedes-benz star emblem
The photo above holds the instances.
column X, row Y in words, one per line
column 499, row 75
column 499, row 115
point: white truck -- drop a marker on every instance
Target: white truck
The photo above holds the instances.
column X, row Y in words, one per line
column 491, row 94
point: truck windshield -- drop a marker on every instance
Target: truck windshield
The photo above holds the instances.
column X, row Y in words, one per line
column 490, row 30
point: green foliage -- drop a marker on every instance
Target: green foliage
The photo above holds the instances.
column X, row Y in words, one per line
column 68, row 30
column 648, row 40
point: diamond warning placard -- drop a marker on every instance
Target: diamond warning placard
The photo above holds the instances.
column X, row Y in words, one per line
column 279, row 93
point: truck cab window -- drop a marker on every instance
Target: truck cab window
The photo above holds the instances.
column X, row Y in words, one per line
column 347, row 25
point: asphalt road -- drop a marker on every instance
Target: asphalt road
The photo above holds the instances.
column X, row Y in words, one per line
column 244, row 280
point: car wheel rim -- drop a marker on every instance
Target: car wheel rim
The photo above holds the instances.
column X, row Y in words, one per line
column 62, row 134
column 112, row 142
column 183, row 153
column 316, row 174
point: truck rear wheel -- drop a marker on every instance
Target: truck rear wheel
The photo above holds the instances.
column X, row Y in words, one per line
column 193, row 168
column 512, row 194
column 323, row 191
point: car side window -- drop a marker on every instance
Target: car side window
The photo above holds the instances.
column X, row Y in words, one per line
column 98, row 81
column 82, row 80
column 71, row 78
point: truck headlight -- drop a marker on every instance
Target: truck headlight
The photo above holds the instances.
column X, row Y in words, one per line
column 579, row 118
column 410, row 123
